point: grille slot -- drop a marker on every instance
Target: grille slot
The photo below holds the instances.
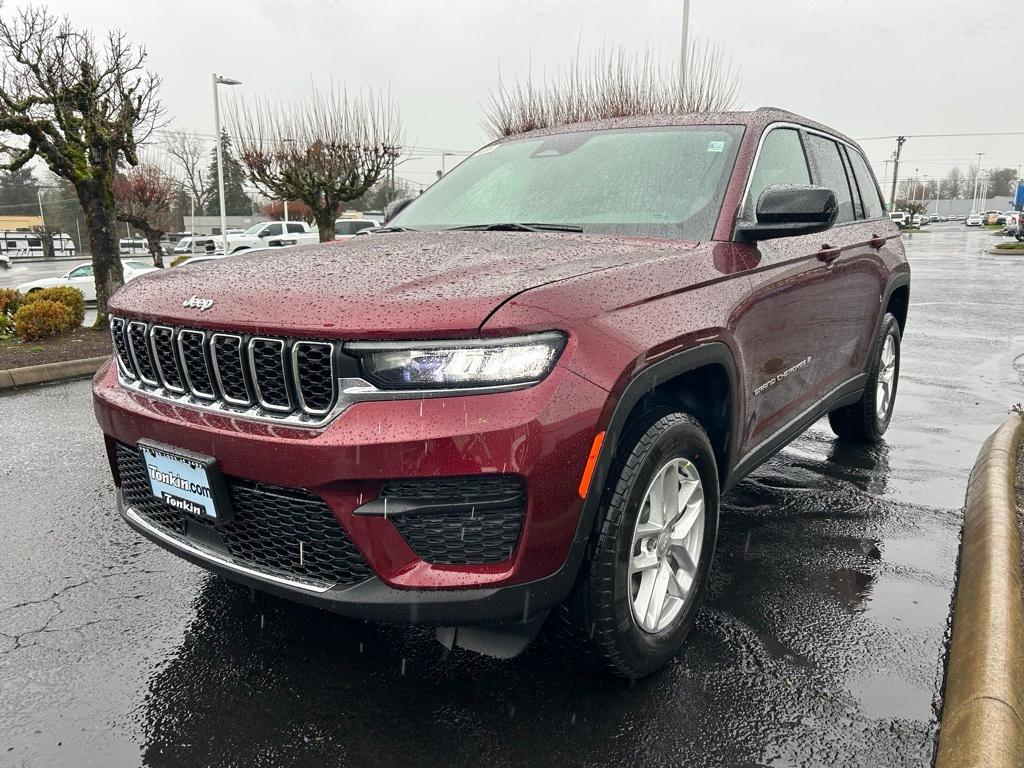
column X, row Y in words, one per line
column 313, row 368
column 461, row 534
column 124, row 358
column 256, row 377
column 138, row 347
column 229, row 368
column 270, row 523
column 192, row 348
column 166, row 361
column 267, row 358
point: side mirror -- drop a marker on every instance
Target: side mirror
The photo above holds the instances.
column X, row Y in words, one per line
column 395, row 207
column 787, row 211
column 264, row 232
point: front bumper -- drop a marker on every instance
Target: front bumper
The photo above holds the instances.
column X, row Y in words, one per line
column 543, row 434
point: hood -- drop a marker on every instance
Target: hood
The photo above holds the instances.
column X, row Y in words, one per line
column 414, row 285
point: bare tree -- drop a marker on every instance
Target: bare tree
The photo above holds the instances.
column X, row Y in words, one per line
column 83, row 107
column 615, row 84
column 144, row 198
column 324, row 151
column 972, row 178
column 189, row 154
column 953, row 184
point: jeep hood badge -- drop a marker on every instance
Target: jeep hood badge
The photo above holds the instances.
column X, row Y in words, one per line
column 194, row 302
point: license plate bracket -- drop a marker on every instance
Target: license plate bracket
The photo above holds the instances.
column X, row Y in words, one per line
column 187, row 481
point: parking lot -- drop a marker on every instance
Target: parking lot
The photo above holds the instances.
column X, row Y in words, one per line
column 821, row 641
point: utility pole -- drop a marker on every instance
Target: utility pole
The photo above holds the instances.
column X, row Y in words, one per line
column 896, row 170
column 42, row 218
column 683, row 49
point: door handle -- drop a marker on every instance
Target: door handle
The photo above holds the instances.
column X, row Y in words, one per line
column 876, row 241
column 828, row 253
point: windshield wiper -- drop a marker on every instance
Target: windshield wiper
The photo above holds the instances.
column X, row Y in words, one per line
column 516, row 227
column 382, row 230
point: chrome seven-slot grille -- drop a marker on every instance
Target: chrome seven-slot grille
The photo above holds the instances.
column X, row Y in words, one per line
column 265, row 376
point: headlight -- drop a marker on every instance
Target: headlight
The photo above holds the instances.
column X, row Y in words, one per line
column 455, row 364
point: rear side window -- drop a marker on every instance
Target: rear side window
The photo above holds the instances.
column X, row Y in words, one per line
column 780, row 161
column 868, row 189
column 830, row 172
column 296, row 227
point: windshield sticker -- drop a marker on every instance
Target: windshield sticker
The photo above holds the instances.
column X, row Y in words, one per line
column 716, row 146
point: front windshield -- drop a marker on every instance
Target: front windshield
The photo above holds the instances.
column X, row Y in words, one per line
column 255, row 228
column 644, row 182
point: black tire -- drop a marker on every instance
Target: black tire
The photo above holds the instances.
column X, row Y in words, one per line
column 861, row 422
column 596, row 623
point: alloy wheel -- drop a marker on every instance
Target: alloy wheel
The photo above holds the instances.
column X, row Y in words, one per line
column 886, row 378
column 666, row 546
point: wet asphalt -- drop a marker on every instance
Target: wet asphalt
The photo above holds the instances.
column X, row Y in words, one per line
column 821, row 642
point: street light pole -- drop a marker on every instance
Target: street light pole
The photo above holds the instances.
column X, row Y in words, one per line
column 218, row 80
column 977, row 178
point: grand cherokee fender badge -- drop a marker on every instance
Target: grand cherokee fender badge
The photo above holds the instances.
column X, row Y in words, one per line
column 194, row 302
column 776, row 379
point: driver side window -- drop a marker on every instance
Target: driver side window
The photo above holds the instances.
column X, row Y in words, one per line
column 81, row 272
column 780, row 161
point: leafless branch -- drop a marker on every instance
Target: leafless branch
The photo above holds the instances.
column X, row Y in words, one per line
column 615, row 84
column 188, row 153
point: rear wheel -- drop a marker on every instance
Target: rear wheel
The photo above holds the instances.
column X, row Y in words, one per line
column 868, row 418
column 642, row 582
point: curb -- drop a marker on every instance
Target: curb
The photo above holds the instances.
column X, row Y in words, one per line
column 982, row 720
column 49, row 372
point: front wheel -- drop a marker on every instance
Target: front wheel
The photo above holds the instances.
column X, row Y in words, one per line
column 641, row 585
column 868, row 418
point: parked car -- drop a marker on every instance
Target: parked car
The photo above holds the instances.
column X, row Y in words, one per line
column 81, row 277
column 902, row 218
column 974, row 220
column 346, row 228
column 468, row 419
column 917, row 220
column 990, row 217
column 1005, row 217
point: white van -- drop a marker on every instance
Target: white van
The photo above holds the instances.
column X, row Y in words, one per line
column 131, row 246
column 900, row 217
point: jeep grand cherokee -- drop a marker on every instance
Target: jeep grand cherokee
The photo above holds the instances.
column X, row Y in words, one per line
column 520, row 402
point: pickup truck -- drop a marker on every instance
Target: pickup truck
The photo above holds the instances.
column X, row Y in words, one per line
column 257, row 236
column 518, row 404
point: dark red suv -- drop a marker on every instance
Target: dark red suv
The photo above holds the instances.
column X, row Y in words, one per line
column 521, row 401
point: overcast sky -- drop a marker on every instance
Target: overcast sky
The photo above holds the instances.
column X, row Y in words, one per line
column 866, row 67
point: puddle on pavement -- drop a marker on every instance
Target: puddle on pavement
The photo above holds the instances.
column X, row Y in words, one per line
column 886, row 695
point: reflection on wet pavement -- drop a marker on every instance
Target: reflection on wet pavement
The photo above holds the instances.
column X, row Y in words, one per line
column 820, row 643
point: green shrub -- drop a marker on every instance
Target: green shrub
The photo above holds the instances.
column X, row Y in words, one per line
column 41, row 318
column 10, row 300
column 70, row 297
